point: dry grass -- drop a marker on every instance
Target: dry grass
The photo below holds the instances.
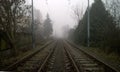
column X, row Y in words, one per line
column 112, row 57
column 21, row 54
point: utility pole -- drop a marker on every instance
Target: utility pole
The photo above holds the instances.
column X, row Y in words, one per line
column 88, row 26
column 33, row 33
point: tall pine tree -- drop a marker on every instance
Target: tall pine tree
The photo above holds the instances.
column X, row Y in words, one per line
column 102, row 26
column 47, row 27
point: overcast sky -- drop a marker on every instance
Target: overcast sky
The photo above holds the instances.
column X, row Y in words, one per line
column 60, row 12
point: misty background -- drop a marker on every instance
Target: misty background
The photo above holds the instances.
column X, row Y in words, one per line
column 60, row 12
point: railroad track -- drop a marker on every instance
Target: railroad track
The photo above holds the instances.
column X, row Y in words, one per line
column 31, row 62
column 48, row 62
column 59, row 60
column 87, row 63
column 59, row 57
column 69, row 59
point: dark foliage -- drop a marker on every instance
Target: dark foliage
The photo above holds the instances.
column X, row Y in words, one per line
column 103, row 30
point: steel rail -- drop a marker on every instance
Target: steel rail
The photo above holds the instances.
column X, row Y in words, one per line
column 45, row 61
column 15, row 64
column 107, row 66
column 71, row 58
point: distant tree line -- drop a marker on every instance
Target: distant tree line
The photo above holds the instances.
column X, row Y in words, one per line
column 104, row 27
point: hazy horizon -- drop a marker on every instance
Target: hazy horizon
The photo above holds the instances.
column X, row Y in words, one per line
column 60, row 12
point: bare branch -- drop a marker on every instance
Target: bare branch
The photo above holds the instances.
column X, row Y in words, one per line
column 77, row 13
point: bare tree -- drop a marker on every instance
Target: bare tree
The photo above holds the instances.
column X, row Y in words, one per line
column 77, row 13
column 12, row 15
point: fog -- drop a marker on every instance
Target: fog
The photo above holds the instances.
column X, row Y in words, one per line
column 60, row 12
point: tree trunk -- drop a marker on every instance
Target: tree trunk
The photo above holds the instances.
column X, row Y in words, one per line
column 14, row 49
